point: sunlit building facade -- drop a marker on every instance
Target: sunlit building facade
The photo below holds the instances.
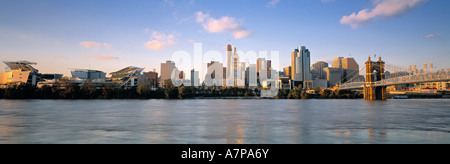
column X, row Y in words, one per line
column 166, row 71
column 151, row 78
column 301, row 67
column 20, row 72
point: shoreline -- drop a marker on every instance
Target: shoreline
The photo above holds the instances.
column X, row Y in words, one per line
column 223, row 98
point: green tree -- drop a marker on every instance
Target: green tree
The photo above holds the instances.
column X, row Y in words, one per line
column 317, row 90
column 168, row 84
column 88, row 90
column 108, row 91
column 294, row 94
column 185, row 92
column 144, row 90
column 304, row 96
column 45, row 92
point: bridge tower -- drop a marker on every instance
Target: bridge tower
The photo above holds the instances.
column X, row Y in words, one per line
column 374, row 73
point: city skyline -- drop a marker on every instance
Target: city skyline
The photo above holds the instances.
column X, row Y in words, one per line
column 109, row 36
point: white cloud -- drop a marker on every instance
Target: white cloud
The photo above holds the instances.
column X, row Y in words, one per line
column 191, row 41
column 107, row 46
column 60, row 57
column 273, row 3
column 383, row 9
column 100, row 57
column 242, row 33
column 433, row 35
column 224, row 24
column 95, row 45
column 89, row 44
column 160, row 40
column 105, row 57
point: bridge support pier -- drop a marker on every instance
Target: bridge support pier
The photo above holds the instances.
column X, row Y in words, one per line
column 375, row 93
column 374, row 72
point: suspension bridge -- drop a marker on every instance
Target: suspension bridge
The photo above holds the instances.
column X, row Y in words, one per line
column 377, row 79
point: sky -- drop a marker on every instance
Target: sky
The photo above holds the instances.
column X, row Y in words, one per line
column 109, row 35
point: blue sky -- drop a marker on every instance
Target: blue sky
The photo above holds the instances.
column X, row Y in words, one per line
column 111, row 34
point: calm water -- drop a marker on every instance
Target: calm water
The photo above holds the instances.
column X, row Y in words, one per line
column 224, row 121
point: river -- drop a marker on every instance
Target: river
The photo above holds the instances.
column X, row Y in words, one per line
column 220, row 121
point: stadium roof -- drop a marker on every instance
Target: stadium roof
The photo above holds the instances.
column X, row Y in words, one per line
column 21, row 65
column 127, row 72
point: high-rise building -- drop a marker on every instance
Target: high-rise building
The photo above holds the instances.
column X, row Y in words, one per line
column 166, row 71
column 301, row 63
column 317, row 70
column 229, row 55
column 350, row 63
column 350, row 69
column 214, row 74
column 337, row 62
column 287, row 71
column 234, row 71
column 415, row 70
column 431, row 67
column 195, row 81
column 334, row 75
column 251, row 76
column 263, row 66
column 151, row 78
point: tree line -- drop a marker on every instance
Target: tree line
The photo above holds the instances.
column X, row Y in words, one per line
column 318, row 93
column 67, row 89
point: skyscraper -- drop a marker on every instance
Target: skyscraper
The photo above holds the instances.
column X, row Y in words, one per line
column 350, row 63
column 151, row 78
column 287, row 71
column 166, row 71
column 350, row 69
column 214, row 74
column 263, row 66
column 251, row 76
column 195, row 81
column 301, row 63
column 317, row 70
column 229, row 62
column 337, row 62
column 233, row 67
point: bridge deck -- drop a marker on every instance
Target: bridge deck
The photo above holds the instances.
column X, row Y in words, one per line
column 412, row 79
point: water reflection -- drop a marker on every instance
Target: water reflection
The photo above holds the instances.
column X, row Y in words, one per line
column 10, row 123
column 224, row 121
column 235, row 124
column 9, row 129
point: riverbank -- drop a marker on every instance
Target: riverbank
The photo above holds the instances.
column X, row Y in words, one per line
column 73, row 91
column 419, row 95
column 144, row 92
